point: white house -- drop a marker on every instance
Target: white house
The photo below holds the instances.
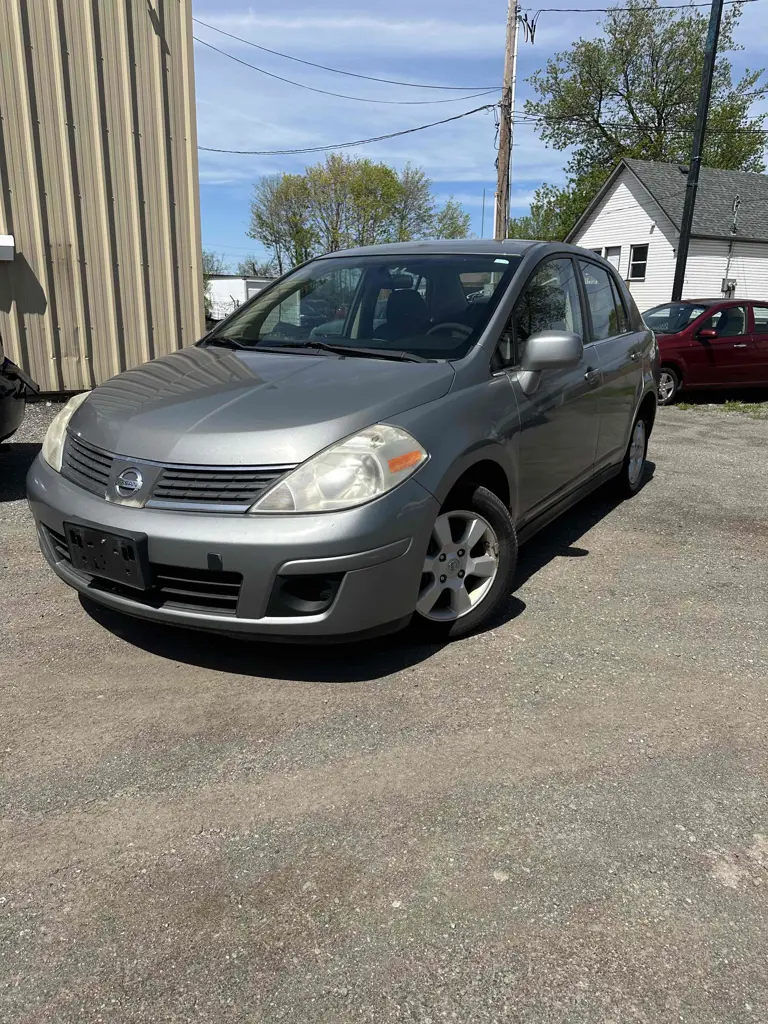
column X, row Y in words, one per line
column 634, row 222
column 228, row 291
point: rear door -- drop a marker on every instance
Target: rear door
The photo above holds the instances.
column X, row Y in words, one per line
column 619, row 353
column 559, row 420
column 721, row 359
column 759, row 345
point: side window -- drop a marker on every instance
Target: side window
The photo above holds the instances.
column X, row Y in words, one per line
column 729, row 323
column 549, row 302
column 608, row 315
column 761, row 319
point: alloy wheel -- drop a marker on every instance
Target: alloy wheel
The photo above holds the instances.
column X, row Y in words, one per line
column 666, row 386
column 461, row 564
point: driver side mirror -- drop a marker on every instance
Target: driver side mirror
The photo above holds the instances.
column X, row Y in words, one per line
column 706, row 333
column 548, row 350
column 552, row 350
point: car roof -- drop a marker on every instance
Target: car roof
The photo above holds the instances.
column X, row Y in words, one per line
column 725, row 302
column 427, row 246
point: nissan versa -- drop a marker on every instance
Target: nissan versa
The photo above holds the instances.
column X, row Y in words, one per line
column 333, row 475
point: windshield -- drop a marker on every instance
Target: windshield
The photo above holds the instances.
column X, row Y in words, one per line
column 434, row 307
column 673, row 316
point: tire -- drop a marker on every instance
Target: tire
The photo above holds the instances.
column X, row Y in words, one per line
column 669, row 385
column 630, row 478
column 483, row 521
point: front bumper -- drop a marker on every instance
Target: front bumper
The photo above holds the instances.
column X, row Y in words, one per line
column 374, row 554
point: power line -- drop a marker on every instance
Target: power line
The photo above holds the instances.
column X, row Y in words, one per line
column 345, row 145
column 609, row 10
column 521, row 119
column 537, row 119
column 339, row 71
column 339, row 95
column 682, row 130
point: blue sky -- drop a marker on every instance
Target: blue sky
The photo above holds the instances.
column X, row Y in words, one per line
column 441, row 42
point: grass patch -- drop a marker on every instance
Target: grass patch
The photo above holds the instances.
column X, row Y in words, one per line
column 755, row 410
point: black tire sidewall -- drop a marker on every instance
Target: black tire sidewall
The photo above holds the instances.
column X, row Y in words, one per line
column 490, row 507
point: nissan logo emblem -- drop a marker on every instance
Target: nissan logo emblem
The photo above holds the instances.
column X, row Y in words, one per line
column 129, row 481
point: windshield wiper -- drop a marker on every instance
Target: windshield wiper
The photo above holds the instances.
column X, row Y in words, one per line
column 223, row 341
column 367, row 353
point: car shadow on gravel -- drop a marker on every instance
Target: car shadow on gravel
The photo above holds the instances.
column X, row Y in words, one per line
column 361, row 661
column 560, row 538
column 15, row 460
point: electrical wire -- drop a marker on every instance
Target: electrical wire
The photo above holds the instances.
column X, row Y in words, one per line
column 339, row 71
column 341, row 95
column 537, row 119
column 521, row 120
column 345, row 145
column 610, row 10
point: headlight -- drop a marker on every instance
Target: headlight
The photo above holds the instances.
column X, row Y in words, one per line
column 349, row 473
column 53, row 445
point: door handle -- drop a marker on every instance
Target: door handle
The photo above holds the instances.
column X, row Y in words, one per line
column 592, row 376
column 634, row 356
column 741, row 344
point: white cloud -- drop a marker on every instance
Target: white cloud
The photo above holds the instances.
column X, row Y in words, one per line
column 303, row 34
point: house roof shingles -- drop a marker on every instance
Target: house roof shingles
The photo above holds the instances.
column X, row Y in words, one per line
column 713, row 213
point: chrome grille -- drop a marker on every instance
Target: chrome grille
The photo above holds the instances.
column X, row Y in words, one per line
column 233, row 488
column 85, row 465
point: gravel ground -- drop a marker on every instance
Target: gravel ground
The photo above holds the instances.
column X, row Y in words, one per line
column 564, row 819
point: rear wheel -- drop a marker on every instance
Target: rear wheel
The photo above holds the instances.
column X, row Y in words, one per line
column 630, row 478
column 669, row 385
column 469, row 565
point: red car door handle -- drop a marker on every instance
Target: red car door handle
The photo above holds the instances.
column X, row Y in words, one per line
column 742, row 344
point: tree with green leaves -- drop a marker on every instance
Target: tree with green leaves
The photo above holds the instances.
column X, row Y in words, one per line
column 633, row 92
column 344, row 202
column 452, row 221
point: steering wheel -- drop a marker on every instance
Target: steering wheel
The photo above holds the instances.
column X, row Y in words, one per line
column 463, row 330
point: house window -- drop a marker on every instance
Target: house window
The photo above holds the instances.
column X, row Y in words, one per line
column 613, row 255
column 638, row 262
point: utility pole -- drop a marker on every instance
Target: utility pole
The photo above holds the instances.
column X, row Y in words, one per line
column 710, row 51
column 506, row 110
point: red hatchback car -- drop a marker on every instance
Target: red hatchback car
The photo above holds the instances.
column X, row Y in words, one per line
column 710, row 343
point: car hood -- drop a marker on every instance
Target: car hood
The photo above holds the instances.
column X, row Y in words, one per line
column 214, row 406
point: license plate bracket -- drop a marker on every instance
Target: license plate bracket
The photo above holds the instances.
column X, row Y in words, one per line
column 121, row 558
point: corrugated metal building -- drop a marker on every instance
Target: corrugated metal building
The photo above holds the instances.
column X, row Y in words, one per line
column 98, row 186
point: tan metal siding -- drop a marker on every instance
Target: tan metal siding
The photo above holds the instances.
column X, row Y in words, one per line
column 98, row 185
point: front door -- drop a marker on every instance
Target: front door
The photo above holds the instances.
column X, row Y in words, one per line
column 619, row 351
column 720, row 359
column 555, row 445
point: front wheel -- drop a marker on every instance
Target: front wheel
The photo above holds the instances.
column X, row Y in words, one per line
column 469, row 565
column 669, row 385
